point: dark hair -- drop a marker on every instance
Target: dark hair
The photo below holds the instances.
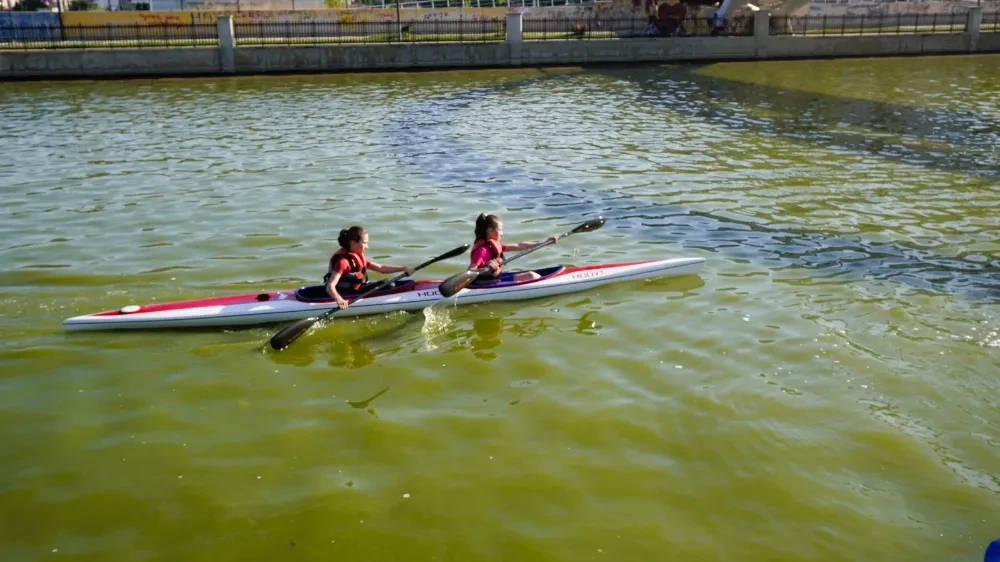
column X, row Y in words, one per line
column 349, row 235
column 485, row 222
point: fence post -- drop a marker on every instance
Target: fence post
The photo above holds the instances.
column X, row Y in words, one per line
column 515, row 24
column 761, row 33
column 227, row 45
column 973, row 20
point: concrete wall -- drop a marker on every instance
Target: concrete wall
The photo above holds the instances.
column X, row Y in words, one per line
column 250, row 60
column 253, row 60
column 988, row 43
column 108, row 62
column 816, row 47
column 653, row 50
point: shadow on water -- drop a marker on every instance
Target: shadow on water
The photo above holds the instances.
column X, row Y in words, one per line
column 424, row 138
column 941, row 139
column 363, row 404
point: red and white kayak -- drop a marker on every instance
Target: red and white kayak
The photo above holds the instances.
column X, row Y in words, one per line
column 294, row 304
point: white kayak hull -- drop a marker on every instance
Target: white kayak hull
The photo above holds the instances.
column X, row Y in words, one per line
column 289, row 305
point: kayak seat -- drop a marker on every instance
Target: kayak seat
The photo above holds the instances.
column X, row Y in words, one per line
column 507, row 277
column 317, row 293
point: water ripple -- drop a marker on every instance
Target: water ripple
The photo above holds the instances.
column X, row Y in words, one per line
column 833, row 368
column 771, row 173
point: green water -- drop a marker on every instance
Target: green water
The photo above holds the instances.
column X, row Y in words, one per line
column 825, row 389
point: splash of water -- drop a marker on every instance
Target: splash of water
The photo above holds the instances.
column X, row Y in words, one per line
column 437, row 318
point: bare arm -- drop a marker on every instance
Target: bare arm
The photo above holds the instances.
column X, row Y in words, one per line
column 530, row 245
column 331, row 289
column 389, row 268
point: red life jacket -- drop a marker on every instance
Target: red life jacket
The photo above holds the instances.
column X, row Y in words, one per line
column 496, row 251
column 353, row 278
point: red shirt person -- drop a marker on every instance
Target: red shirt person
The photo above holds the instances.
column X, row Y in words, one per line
column 348, row 268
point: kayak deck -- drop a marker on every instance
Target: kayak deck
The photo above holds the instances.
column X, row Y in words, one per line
column 407, row 295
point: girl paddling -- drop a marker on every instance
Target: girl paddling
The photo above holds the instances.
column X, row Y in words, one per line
column 488, row 252
column 348, row 267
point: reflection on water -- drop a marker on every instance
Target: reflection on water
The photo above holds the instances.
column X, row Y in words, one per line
column 587, row 325
column 488, row 332
column 475, row 329
column 481, row 329
column 350, row 354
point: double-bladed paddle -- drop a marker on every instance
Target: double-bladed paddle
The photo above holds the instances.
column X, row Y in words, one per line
column 459, row 281
column 290, row 333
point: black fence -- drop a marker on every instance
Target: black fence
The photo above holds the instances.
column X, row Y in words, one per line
column 634, row 28
column 469, row 31
column 109, row 36
column 880, row 24
column 991, row 22
column 319, row 32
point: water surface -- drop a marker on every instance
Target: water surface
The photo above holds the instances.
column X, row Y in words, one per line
column 825, row 389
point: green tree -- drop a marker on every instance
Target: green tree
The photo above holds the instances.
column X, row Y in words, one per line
column 30, row 6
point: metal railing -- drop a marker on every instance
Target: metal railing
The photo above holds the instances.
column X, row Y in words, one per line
column 319, row 32
column 109, row 36
column 468, row 31
column 548, row 29
column 880, row 24
column 991, row 22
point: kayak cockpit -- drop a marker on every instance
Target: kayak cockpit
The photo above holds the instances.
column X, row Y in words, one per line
column 507, row 278
column 317, row 293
